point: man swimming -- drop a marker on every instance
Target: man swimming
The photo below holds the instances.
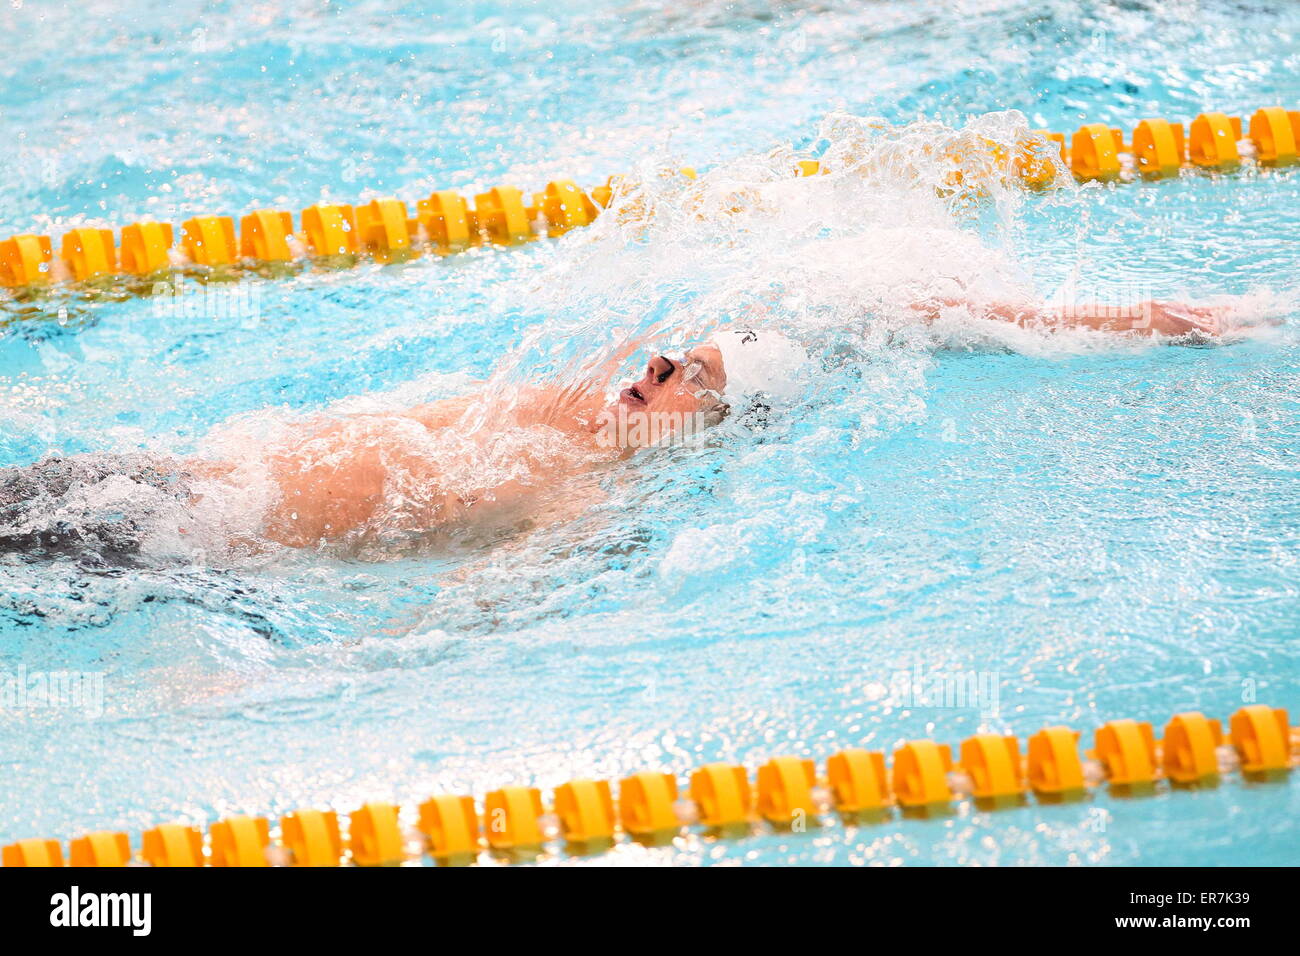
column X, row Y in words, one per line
column 343, row 474
column 477, row 460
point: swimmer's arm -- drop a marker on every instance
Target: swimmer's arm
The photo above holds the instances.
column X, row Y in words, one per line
column 1145, row 318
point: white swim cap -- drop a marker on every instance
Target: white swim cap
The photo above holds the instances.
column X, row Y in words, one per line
column 758, row 360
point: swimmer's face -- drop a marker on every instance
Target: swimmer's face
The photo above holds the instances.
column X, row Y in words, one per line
column 674, row 395
column 690, row 384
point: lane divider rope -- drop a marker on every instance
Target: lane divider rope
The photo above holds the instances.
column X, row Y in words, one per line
column 721, row 800
column 446, row 223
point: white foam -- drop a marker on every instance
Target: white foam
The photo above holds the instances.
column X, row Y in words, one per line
column 760, row 361
column 826, row 269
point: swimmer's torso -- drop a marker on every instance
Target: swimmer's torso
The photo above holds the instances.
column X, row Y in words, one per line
column 428, row 468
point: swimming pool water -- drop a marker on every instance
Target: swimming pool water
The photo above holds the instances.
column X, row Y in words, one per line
column 1095, row 529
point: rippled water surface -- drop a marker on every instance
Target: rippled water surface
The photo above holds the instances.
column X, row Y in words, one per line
column 1093, row 528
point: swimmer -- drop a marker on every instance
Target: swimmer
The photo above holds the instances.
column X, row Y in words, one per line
column 470, row 460
column 337, row 477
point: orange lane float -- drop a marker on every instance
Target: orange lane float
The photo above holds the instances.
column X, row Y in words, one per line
column 511, row 818
column 146, row 247
column 446, row 222
column 723, row 801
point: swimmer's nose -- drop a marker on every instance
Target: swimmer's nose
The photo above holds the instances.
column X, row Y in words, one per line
column 658, row 372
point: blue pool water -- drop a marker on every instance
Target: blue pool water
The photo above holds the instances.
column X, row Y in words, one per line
column 1092, row 528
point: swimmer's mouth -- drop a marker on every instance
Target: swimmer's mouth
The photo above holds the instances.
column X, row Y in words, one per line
column 632, row 394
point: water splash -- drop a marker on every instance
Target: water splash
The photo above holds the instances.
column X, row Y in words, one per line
column 898, row 215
